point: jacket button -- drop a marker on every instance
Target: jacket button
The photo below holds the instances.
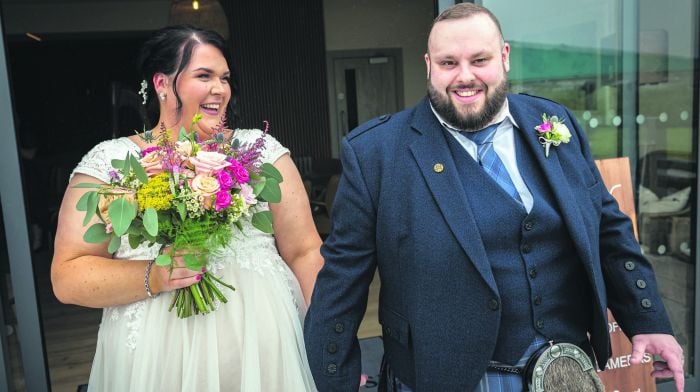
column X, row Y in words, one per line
column 332, row 368
column 526, row 248
column 537, row 300
column 641, row 283
column 529, row 226
column 539, row 324
column 332, row 348
column 383, row 117
column 493, row 304
column 646, row 303
column 533, row 273
column 339, row 327
column 629, row 265
column 388, row 330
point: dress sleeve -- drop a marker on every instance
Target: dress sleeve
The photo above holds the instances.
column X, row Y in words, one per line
column 273, row 148
column 98, row 161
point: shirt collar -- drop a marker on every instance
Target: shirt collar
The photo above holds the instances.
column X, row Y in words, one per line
column 502, row 114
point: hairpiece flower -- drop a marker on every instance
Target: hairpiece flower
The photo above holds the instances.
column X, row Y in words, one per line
column 143, row 93
column 552, row 131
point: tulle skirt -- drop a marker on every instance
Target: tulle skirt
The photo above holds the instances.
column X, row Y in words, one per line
column 252, row 343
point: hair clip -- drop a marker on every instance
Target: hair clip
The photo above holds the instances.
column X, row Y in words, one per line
column 143, row 93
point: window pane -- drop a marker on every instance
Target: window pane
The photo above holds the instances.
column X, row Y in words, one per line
column 576, row 53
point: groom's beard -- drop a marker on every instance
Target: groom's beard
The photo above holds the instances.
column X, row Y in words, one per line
column 471, row 121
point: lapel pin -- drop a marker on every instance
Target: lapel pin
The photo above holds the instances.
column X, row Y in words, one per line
column 438, row 168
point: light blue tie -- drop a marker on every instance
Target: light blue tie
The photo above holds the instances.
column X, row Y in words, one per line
column 489, row 160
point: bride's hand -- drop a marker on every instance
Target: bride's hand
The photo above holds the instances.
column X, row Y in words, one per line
column 164, row 279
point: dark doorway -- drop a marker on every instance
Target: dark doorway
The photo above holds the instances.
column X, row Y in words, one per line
column 62, row 92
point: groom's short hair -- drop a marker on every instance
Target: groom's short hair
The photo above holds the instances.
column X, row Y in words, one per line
column 465, row 10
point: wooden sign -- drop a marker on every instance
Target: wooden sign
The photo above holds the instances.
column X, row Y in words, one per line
column 619, row 374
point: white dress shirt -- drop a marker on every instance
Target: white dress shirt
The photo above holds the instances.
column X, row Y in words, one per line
column 503, row 144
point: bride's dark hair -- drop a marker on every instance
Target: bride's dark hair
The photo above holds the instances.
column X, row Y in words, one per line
column 168, row 51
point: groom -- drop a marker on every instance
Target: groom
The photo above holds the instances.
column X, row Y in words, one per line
column 488, row 245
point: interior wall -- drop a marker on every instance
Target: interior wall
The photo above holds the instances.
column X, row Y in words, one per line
column 83, row 16
column 369, row 24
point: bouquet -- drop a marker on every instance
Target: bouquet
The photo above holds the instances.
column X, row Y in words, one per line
column 188, row 195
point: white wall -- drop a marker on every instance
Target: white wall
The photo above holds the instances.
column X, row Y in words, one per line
column 368, row 24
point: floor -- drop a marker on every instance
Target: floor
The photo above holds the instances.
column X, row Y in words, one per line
column 71, row 332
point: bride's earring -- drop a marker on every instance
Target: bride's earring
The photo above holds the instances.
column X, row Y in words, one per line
column 161, row 95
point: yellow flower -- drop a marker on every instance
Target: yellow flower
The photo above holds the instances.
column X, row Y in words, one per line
column 155, row 194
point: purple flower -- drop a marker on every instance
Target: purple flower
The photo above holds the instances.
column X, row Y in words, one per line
column 239, row 172
column 114, row 176
column 225, row 180
column 223, row 200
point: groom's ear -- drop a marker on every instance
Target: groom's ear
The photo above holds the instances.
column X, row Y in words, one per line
column 427, row 65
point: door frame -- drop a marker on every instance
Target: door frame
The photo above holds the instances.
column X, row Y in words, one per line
column 31, row 339
column 331, row 56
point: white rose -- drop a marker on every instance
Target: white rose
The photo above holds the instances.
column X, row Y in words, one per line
column 184, row 148
column 563, row 132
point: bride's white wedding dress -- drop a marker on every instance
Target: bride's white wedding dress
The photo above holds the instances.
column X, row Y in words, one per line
column 252, row 343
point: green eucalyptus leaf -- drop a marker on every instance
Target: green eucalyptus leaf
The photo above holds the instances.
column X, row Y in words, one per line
column 150, row 221
column 138, row 170
column 259, row 186
column 136, row 227
column 148, row 237
column 164, row 260
column 271, row 193
column 126, row 168
column 114, row 244
column 91, row 207
column 87, row 185
column 96, row 234
column 269, row 171
column 135, row 240
column 121, row 212
column 83, row 201
column 181, row 210
column 262, row 221
column 118, row 164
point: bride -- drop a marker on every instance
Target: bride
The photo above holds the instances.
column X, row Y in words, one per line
column 252, row 343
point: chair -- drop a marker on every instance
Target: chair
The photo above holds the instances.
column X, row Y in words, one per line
column 323, row 208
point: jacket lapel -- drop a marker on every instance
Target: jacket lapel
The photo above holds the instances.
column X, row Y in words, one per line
column 527, row 119
column 444, row 183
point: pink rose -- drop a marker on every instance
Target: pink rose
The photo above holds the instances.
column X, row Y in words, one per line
column 239, row 172
column 206, row 186
column 225, row 180
column 207, row 162
column 223, row 200
column 544, row 127
column 107, row 198
column 152, row 162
